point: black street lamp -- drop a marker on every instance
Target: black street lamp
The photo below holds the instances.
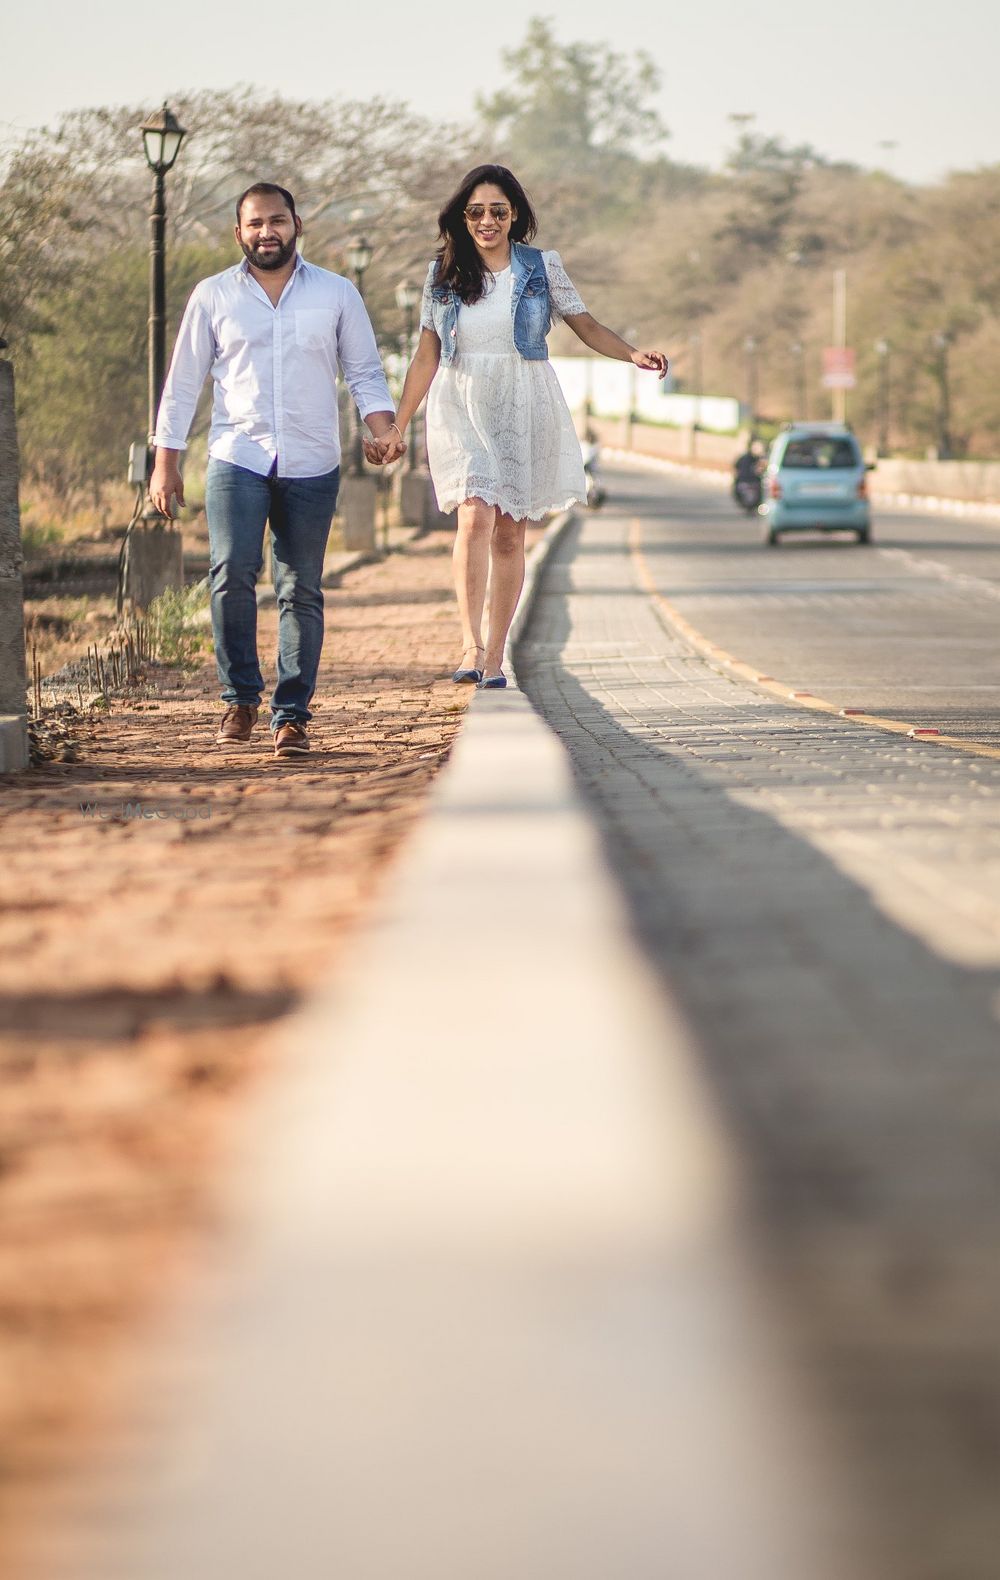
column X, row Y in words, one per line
column 162, row 135
column 359, row 256
column 407, row 298
column 883, row 351
column 750, row 348
column 941, row 342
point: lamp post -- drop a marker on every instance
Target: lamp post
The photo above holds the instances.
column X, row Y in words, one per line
column 407, row 297
column 799, row 402
column 882, row 350
column 750, row 350
column 694, row 341
column 631, row 335
column 162, row 135
column 359, row 256
column 941, row 342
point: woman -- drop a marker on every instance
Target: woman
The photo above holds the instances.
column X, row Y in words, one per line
column 500, row 438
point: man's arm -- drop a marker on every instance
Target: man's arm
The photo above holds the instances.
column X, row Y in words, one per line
column 194, row 353
column 358, row 356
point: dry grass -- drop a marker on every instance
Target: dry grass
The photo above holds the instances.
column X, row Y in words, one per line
column 50, row 515
column 58, row 630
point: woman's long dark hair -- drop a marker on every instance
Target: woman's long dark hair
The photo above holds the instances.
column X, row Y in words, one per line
column 459, row 262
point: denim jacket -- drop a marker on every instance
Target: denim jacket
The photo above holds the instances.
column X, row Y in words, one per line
column 529, row 300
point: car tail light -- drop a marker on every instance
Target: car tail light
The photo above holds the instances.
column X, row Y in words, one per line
column 863, row 488
column 774, row 488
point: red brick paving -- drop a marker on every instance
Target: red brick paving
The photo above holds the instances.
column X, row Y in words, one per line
column 143, row 961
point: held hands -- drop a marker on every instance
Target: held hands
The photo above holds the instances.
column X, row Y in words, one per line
column 653, row 360
column 387, row 447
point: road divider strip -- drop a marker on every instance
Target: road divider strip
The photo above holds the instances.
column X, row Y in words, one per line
column 781, row 689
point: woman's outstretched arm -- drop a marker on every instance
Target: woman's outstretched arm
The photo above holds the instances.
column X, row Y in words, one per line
column 607, row 344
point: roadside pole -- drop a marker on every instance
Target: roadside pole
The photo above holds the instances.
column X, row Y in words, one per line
column 840, row 338
column 13, row 675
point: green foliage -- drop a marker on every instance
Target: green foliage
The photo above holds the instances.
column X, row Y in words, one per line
column 35, row 536
column 82, row 390
column 175, row 634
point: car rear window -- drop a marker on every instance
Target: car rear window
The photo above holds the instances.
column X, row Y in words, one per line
column 817, row 452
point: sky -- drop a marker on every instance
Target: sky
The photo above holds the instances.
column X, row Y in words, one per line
column 872, row 81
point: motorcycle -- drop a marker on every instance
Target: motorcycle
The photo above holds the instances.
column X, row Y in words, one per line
column 748, row 493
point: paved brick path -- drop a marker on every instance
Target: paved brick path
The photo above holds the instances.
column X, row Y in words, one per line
column 824, row 902
column 142, row 960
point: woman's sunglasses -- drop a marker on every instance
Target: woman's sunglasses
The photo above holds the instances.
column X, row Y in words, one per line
column 498, row 211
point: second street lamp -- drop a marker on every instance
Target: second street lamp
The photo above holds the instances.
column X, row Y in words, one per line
column 407, row 297
column 359, row 256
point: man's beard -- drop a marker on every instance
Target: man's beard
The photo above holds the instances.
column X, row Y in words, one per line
column 275, row 258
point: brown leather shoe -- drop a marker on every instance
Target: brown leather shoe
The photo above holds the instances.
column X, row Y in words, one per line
column 237, row 723
column 291, row 740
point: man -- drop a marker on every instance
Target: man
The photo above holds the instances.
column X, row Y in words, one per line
column 272, row 331
column 746, row 489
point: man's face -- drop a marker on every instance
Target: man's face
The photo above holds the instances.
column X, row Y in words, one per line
column 267, row 232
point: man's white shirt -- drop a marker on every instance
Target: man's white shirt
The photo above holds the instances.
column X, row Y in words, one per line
column 274, row 369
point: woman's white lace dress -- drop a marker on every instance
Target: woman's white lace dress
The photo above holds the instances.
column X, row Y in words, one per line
column 498, row 427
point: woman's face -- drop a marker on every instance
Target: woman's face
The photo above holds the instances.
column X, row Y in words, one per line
column 489, row 215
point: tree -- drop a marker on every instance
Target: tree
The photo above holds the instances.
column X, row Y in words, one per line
column 574, row 102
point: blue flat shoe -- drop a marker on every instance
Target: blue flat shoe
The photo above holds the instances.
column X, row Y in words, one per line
column 468, row 677
column 495, row 683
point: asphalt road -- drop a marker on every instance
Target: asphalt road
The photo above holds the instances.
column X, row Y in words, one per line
column 821, row 898
column 907, row 627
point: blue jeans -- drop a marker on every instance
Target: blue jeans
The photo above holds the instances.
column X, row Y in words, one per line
column 238, row 503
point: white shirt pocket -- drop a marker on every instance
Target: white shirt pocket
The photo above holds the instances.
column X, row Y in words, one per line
column 313, row 328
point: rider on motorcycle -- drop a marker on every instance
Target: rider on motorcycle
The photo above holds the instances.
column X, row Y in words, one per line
column 747, row 470
column 747, row 466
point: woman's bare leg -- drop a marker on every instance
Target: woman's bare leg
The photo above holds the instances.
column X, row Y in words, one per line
column 506, row 581
column 471, row 563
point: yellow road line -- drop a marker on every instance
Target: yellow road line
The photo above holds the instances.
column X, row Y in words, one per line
column 781, row 689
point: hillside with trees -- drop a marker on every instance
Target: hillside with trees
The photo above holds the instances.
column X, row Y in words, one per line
column 680, row 254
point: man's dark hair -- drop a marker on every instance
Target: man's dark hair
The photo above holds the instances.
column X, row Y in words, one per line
column 262, row 189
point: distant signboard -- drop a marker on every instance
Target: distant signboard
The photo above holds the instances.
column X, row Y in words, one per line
column 838, row 368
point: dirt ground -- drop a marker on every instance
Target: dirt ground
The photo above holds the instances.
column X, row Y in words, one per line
column 145, row 958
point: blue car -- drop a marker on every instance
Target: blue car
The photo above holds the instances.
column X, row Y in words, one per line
column 816, row 480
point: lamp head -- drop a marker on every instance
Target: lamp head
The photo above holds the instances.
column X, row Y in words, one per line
column 162, row 135
column 359, row 254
